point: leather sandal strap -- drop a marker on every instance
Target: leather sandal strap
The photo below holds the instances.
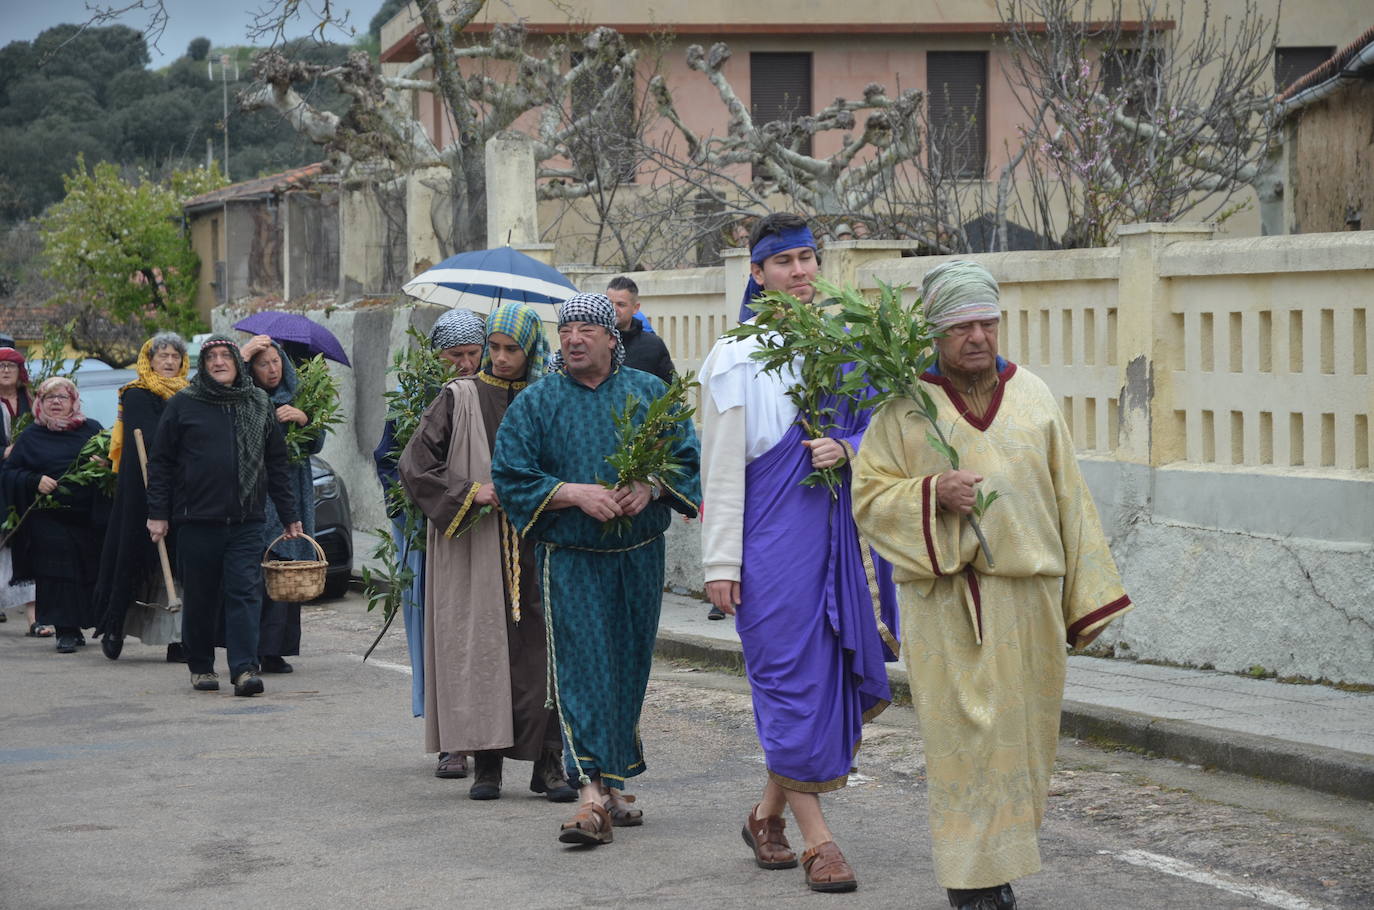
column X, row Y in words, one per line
column 591, row 817
column 825, row 861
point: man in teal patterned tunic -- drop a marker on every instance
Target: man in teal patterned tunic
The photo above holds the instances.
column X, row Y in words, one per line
column 602, row 591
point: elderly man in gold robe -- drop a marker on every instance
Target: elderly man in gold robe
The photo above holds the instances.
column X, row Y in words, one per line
column 985, row 644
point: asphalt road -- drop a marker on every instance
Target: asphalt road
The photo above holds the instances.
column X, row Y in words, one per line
column 120, row 787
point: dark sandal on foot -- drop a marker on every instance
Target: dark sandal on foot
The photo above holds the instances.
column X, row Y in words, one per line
column 590, row 826
column 452, row 766
column 764, row 836
column 827, row 869
column 624, row 816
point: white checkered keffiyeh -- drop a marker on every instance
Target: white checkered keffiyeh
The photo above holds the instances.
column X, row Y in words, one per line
column 596, row 309
column 457, row 327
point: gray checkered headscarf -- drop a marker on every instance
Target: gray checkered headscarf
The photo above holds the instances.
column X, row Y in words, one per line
column 596, row 309
column 458, row 327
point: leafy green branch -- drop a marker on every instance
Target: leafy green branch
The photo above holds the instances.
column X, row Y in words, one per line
column 645, row 451
column 420, row 374
column 889, row 344
column 318, row 396
column 805, row 344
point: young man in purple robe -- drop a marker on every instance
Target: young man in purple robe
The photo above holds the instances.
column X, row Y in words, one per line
column 814, row 606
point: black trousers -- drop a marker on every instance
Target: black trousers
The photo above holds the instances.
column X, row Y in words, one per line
column 220, row 572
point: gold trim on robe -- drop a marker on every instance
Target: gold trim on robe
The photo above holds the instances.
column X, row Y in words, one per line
column 463, row 510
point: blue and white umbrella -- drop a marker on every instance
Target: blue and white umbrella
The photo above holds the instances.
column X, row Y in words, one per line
column 484, row 278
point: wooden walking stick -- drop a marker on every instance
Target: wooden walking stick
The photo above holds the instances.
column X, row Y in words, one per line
column 173, row 602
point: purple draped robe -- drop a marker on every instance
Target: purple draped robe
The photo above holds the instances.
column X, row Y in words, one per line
column 818, row 614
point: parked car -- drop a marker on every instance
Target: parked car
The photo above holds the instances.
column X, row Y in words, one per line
column 333, row 526
column 333, row 520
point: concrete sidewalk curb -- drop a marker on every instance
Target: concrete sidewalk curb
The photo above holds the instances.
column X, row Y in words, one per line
column 1314, row 767
column 1311, row 766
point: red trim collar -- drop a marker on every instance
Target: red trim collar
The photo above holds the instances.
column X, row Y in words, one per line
column 978, row 423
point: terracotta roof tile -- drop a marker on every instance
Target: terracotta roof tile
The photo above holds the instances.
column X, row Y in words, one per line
column 261, row 186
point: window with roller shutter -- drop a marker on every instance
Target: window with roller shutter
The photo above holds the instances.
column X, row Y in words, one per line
column 957, row 82
column 780, row 90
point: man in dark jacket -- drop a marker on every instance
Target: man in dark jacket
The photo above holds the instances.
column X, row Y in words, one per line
column 219, row 451
column 643, row 349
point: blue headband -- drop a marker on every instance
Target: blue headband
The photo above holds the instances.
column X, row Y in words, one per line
column 772, row 245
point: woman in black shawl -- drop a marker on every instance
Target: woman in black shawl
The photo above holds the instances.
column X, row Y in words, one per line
column 130, row 571
column 62, row 544
column 15, row 588
column 279, row 635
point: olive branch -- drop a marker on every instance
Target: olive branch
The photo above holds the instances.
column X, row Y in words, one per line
column 420, row 374
column 318, row 397
column 644, row 453
column 802, row 342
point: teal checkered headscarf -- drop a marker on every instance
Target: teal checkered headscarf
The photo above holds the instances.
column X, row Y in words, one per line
column 521, row 322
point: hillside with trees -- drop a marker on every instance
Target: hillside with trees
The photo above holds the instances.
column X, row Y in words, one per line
column 88, row 92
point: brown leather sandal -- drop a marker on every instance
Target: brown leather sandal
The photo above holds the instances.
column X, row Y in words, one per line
column 827, row 870
column 770, row 846
column 624, row 816
column 591, row 826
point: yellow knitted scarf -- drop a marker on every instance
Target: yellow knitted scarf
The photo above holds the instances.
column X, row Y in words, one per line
column 163, row 387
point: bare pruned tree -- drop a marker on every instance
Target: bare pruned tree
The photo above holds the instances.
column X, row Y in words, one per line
column 486, row 87
column 1134, row 121
column 753, row 162
column 640, row 185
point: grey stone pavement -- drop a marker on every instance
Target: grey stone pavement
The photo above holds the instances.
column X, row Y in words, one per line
column 1309, row 735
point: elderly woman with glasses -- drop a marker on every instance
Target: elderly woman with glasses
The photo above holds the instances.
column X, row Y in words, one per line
column 63, row 542
column 130, row 573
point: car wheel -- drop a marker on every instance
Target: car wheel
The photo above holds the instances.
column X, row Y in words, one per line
column 336, row 586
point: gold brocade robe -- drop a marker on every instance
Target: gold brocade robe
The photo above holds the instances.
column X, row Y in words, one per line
column 986, row 647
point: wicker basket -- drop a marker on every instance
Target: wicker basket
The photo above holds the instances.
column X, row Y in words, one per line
column 294, row 581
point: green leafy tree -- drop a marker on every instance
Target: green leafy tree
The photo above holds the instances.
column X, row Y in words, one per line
column 116, row 248
column 88, row 90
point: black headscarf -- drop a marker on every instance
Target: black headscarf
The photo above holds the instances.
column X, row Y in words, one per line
column 252, row 412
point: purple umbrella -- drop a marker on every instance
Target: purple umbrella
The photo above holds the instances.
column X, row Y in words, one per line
column 295, row 327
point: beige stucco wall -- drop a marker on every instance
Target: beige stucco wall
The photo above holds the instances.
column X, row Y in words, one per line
column 1317, row 23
